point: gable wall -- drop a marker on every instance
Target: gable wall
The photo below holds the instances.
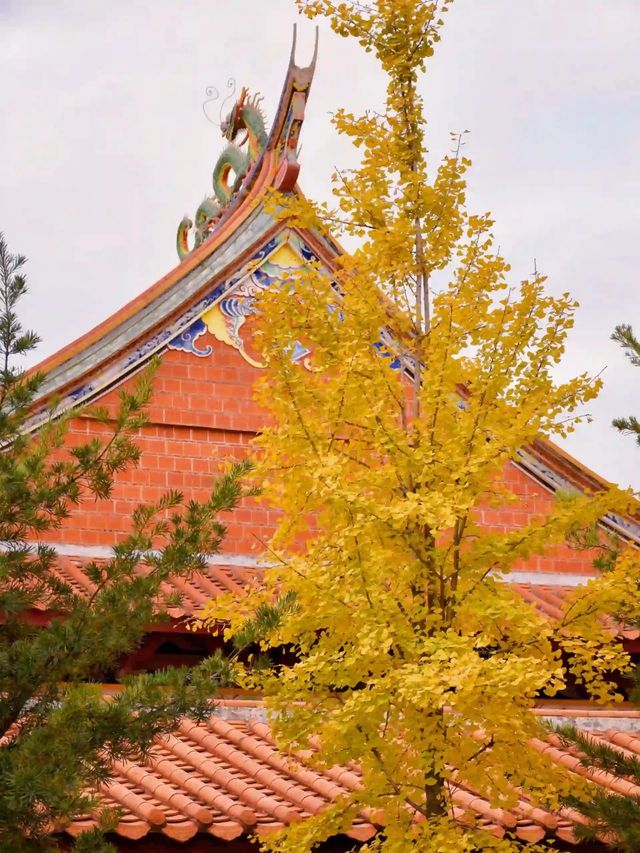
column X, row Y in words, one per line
column 202, row 414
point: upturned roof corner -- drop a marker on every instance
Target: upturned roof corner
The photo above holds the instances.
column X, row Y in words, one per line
column 266, row 160
column 230, row 229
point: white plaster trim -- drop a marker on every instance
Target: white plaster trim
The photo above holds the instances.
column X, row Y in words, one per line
column 257, row 711
column 104, row 552
column 253, row 712
column 594, row 724
column 546, row 578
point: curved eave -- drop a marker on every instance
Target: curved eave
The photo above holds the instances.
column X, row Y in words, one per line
column 138, row 305
column 59, row 367
column 579, row 474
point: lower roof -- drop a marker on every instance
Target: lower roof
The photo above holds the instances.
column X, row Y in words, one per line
column 226, row 779
column 230, row 573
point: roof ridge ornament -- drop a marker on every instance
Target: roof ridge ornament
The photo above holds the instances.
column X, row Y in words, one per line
column 287, row 150
column 232, row 166
column 235, row 166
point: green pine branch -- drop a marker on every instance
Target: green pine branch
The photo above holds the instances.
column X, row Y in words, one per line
column 59, row 736
column 610, row 815
column 623, row 335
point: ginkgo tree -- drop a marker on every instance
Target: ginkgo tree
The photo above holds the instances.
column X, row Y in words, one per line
column 429, row 373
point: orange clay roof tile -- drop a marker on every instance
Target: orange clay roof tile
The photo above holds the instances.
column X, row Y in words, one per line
column 263, row 752
column 118, row 791
column 479, row 806
column 629, row 743
column 214, row 580
column 227, row 830
column 226, row 778
column 164, row 792
column 537, row 815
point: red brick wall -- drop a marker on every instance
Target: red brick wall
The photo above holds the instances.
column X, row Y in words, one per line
column 202, row 414
column 534, row 502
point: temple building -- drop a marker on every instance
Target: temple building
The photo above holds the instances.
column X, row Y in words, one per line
column 210, row 787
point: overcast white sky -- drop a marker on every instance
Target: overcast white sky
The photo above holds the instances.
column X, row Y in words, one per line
column 104, row 147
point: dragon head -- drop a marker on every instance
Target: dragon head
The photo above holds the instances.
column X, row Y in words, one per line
column 232, row 124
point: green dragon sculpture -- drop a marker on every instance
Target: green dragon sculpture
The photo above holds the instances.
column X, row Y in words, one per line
column 230, row 170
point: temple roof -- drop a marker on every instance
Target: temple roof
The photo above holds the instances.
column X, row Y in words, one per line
column 226, row 778
column 240, row 252
column 226, row 573
column 121, row 344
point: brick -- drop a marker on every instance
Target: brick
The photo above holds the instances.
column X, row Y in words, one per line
column 202, row 414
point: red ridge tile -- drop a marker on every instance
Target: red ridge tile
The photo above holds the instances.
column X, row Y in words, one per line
column 133, row 802
column 243, row 816
column 164, row 792
column 249, row 795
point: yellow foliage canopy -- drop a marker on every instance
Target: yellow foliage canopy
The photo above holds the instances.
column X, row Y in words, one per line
column 430, row 372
